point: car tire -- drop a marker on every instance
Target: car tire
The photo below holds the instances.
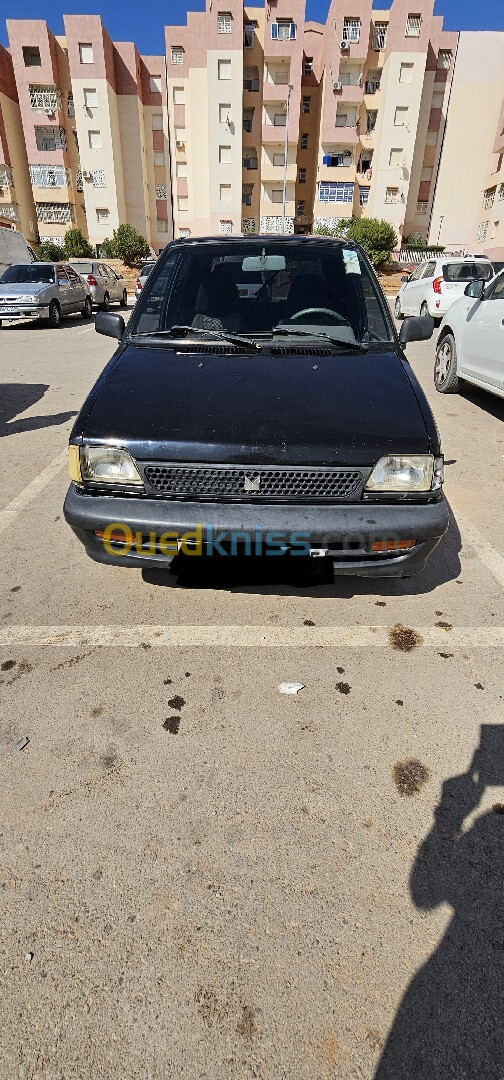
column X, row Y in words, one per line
column 124, row 299
column 54, row 320
column 397, row 308
column 105, row 306
column 445, row 366
column 424, row 310
column 87, row 310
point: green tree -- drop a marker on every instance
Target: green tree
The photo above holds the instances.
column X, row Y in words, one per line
column 126, row 244
column 75, row 245
column 108, row 248
column 48, row 251
column 376, row 237
column 413, row 240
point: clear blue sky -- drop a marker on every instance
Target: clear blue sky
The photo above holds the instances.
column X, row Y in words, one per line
column 134, row 20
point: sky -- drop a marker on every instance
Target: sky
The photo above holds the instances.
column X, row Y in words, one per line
column 142, row 22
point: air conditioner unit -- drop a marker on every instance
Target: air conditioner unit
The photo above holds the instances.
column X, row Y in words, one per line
column 179, row 144
column 344, row 44
column 337, row 86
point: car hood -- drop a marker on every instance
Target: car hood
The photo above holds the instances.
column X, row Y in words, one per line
column 23, row 288
column 264, row 408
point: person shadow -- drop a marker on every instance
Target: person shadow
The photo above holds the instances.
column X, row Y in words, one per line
column 450, row 1024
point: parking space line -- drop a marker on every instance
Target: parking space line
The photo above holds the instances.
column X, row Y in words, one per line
column 237, row 636
column 485, row 551
column 30, row 492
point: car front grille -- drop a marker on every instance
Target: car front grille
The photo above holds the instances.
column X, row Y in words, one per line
column 258, row 484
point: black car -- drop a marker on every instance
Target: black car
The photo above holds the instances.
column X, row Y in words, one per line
column 259, row 402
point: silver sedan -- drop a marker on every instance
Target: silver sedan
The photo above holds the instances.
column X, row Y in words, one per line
column 105, row 285
column 43, row 291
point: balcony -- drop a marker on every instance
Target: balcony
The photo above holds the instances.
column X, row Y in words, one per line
column 271, row 209
column 274, row 174
column 351, row 92
column 5, row 179
column 273, row 133
column 55, row 213
column 49, row 176
column 347, row 134
column 45, row 99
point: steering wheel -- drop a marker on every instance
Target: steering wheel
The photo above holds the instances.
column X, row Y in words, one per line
column 318, row 311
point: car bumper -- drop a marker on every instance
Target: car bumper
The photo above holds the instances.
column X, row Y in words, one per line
column 25, row 311
column 343, row 534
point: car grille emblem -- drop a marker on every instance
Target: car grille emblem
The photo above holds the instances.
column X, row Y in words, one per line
column 252, row 483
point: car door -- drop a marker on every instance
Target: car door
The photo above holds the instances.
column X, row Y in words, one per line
column 65, row 292
column 116, row 285
column 424, row 290
column 482, row 339
column 78, row 292
column 410, row 290
column 105, row 282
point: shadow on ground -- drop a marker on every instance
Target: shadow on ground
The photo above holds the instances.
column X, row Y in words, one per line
column 15, row 398
column 450, row 1023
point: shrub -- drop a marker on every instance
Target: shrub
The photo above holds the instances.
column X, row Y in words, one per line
column 76, row 246
column 48, row 251
column 126, row 244
column 376, row 237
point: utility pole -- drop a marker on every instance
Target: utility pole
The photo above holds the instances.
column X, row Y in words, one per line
column 287, row 104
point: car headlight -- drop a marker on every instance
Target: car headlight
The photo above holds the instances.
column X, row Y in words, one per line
column 103, row 465
column 412, row 472
column 29, row 299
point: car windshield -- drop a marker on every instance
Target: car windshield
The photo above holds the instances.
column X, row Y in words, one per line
column 467, row 271
column 261, row 286
column 33, row 272
column 82, row 267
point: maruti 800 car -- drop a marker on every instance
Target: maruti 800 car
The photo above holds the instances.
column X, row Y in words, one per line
column 287, row 412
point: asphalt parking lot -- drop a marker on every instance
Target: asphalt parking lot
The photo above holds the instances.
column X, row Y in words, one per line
column 199, row 876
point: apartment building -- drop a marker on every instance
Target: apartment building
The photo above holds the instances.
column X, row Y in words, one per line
column 16, row 200
column 93, row 119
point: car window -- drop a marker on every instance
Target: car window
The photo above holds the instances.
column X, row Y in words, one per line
column 467, row 271
column 82, row 267
column 418, row 272
column 111, row 273
column 74, row 278
column 429, row 270
column 105, row 271
column 61, row 275
column 497, row 292
column 34, row 272
column 261, row 285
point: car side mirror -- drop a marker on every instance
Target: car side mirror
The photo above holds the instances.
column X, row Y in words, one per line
column 405, row 278
column 110, row 324
column 415, row 328
column 475, row 289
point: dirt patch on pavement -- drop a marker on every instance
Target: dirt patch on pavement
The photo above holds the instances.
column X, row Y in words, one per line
column 410, row 776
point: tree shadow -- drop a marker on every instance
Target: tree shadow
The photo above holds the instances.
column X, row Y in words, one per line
column 450, row 1024
column 15, row 398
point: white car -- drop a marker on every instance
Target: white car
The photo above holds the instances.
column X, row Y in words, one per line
column 435, row 285
column 470, row 345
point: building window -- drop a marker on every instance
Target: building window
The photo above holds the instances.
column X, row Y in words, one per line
column 391, row 195
column 162, row 225
column 91, row 98
column 225, row 192
column 342, row 120
column 224, row 22
column 49, row 176
column 249, row 35
column 300, row 205
column 248, row 118
column 86, row 53
column 226, row 228
column 70, row 104
column 183, row 203
column 50, row 138
column 493, row 233
column 79, row 182
column 437, row 100
column 181, row 168
column 308, row 65
column 426, row 174
column 302, row 176
column 98, row 178
column 157, row 121
column 225, row 155
column 406, row 73
column 363, row 196
column 10, row 211
column 246, row 197
column 444, row 59
column 95, row 140
column 501, row 192
column 337, row 160
column 178, row 95
column 102, row 213
column 283, row 30
column 45, row 98
column 334, row 192
column 155, row 84
column 31, row 56
column 159, row 158
column 250, row 160
column 225, row 114
column 413, row 25
column 180, row 137
column 304, row 141
column 224, row 70
column 177, row 54
column 276, row 195
column 395, row 156
column 56, row 213
column 161, row 191
column 280, row 119
column 488, row 198
column 482, row 231
column 182, row 232
column 305, row 106
column 380, row 34
column 371, row 117
column 431, row 138
column 6, row 178
column 421, row 207
column 279, row 159
column 351, row 30
column 401, row 116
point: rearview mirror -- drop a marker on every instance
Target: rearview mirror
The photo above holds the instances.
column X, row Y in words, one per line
column 405, row 277
column 415, row 328
column 109, row 324
column 475, row 289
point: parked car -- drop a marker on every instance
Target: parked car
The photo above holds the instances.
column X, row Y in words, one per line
column 142, row 277
column 287, row 419
column 43, row 291
column 470, row 343
column 435, row 285
column 105, row 285
column 13, row 248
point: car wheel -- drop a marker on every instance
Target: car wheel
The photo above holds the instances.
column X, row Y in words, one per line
column 124, row 299
column 445, row 366
column 397, row 308
column 105, row 306
column 424, row 310
column 54, row 319
column 87, row 310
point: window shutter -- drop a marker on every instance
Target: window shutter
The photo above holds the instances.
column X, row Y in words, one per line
column 292, row 30
column 326, row 160
column 274, row 30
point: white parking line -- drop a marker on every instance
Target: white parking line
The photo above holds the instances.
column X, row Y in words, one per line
column 87, row 330
column 9, row 514
column 485, row 551
column 217, row 636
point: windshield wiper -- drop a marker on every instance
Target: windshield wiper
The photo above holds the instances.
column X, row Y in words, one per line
column 185, row 331
column 356, row 346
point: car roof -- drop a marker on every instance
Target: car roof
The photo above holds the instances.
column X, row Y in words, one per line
column 293, row 238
